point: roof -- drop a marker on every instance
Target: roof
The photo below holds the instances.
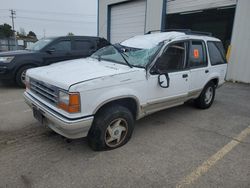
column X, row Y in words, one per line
column 151, row 40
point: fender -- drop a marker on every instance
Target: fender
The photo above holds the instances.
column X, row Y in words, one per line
column 114, row 95
column 27, row 62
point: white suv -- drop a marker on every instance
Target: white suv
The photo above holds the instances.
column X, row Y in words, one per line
column 101, row 96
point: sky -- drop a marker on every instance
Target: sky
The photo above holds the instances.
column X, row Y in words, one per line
column 52, row 17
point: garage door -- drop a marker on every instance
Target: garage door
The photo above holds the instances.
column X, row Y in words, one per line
column 176, row 6
column 127, row 20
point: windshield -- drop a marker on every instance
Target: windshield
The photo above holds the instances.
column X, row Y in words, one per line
column 135, row 57
column 39, row 44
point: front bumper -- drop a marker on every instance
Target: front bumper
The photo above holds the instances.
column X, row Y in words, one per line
column 5, row 73
column 69, row 128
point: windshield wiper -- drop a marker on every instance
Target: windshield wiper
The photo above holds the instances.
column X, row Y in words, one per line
column 122, row 54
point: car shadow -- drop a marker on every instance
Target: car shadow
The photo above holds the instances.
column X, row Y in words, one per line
column 8, row 85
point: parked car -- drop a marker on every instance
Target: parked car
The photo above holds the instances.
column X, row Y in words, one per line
column 101, row 96
column 14, row 64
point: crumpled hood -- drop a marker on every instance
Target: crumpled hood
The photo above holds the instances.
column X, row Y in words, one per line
column 67, row 73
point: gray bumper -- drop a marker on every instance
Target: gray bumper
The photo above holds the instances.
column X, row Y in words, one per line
column 69, row 128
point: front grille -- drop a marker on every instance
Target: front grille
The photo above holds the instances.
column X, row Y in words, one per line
column 45, row 91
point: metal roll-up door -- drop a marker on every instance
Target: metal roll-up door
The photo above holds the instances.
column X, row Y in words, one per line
column 127, row 20
column 178, row 6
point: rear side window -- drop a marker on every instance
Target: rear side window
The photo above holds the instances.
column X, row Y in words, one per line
column 216, row 53
column 83, row 45
column 197, row 54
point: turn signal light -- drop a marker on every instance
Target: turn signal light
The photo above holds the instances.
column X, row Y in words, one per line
column 70, row 102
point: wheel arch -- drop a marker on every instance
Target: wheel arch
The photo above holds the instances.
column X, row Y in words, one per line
column 28, row 63
column 215, row 80
column 130, row 102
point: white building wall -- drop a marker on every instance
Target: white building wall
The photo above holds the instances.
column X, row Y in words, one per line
column 239, row 62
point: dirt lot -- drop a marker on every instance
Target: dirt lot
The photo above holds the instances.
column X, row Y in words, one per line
column 178, row 147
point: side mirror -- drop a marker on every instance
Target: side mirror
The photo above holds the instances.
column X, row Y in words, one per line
column 51, row 50
column 163, row 80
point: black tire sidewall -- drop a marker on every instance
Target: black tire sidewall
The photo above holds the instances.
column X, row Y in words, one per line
column 97, row 133
column 18, row 78
column 200, row 102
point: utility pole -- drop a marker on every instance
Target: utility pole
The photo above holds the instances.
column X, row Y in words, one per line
column 13, row 13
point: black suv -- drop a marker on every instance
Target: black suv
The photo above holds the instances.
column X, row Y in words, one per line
column 14, row 64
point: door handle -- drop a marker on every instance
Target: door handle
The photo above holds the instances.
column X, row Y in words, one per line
column 206, row 71
column 184, row 75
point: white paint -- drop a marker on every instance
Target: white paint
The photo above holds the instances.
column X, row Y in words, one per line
column 66, row 73
column 127, row 20
column 99, row 82
column 149, row 41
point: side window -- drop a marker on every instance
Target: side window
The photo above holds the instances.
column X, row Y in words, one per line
column 197, row 54
column 172, row 59
column 62, row 46
column 216, row 53
column 83, row 45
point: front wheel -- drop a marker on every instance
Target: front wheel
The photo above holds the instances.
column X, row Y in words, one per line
column 112, row 128
column 206, row 98
column 21, row 74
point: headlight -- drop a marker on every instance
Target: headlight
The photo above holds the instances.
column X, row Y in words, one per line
column 70, row 102
column 6, row 59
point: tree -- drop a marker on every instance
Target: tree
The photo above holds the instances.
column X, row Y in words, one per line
column 70, row 34
column 31, row 34
column 6, row 31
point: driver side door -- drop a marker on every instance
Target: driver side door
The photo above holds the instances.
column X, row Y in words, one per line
column 59, row 51
column 171, row 63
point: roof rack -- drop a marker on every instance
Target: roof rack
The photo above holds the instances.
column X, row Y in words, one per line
column 186, row 31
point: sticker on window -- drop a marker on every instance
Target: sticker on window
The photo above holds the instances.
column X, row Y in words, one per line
column 196, row 53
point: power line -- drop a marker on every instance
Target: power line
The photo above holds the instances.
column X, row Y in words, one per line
column 54, row 20
column 50, row 12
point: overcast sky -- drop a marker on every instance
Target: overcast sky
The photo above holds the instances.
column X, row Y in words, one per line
column 52, row 17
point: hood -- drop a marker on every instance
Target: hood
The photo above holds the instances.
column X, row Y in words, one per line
column 67, row 73
column 16, row 53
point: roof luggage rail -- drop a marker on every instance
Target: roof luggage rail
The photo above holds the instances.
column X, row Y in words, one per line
column 186, row 31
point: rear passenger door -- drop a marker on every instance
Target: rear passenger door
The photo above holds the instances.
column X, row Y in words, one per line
column 83, row 48
column 198, row 65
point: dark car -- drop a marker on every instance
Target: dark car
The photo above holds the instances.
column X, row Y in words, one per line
column 14, row 64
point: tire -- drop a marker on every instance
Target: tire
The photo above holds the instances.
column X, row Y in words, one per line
column 206, row 98
column 20, row 75
column 112, row 128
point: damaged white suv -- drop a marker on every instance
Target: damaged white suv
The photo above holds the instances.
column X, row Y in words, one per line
column 101, row 96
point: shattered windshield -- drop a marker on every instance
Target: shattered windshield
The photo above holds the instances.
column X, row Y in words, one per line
column 136, row 57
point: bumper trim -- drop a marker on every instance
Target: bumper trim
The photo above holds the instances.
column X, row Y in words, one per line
column 69, row 128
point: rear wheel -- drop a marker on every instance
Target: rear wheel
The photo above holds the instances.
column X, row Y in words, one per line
column 21, row 74
column 112, row 128
column 206, row 98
